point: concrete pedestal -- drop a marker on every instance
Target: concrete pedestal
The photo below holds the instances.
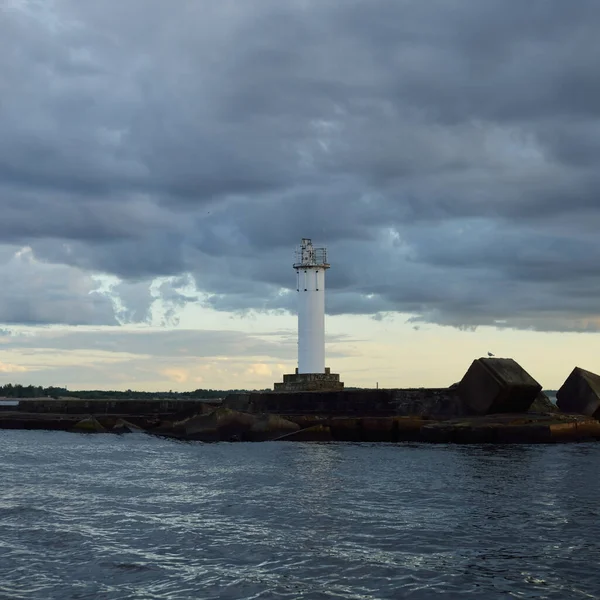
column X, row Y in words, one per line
column 310, row 382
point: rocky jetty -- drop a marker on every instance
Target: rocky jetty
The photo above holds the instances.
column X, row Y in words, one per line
column 224, row 424
column 230, row 425
column 496, row 401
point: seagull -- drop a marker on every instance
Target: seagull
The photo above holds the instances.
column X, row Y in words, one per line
column 490, row 354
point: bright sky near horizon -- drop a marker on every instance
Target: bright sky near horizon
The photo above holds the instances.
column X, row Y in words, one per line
column 220, row 350
column 159, row 162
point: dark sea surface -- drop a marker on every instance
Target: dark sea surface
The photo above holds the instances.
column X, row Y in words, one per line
column 119, row 517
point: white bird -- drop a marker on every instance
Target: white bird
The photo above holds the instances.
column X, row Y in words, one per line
column 490, row 354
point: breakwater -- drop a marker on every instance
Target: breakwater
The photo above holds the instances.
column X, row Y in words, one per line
column 133, row 406
column 65, row 414
column 437, row 415
column 496, row 401
column 430, row 402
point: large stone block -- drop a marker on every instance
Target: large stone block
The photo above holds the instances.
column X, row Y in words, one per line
column 543, row 404
column 580, row 393
column 498, row 385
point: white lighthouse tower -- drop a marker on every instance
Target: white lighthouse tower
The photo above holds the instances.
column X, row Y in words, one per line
column 310, row 265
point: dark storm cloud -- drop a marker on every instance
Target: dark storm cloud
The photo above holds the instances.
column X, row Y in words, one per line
column 35, row 293
column 445, row 151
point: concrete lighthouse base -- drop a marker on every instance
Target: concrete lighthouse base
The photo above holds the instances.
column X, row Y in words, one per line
column 310, row 382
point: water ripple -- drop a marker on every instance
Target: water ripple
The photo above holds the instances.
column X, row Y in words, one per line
column 135, row 517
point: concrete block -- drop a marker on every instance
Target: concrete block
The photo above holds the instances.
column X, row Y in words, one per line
column 124, row 426
column 509, row 428
column 269, row 427
column 317, row 433
column 543, row 404
column 498, row 385
column 89, row 425
column 305, row 382
column 580, row 393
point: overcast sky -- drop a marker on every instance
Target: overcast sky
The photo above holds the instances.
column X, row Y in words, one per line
column 160, row 160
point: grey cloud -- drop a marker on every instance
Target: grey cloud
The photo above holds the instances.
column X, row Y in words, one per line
column 176, row 344
column 445, row 152
column 35, row 293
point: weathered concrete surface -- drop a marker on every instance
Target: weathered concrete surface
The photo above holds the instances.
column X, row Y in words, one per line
column 580, row 393
column 125, row 408
column 224, row 424
column 316, row 433
column 229, row 425
column 498, row 385
column 124, row 426
column 376, row 429
column 309, row 382
column 369, row 429
column 543, row 404
column 62, row 422
column 269, row 427
column 513, row 428
column 49, row 422
column 493, row 429
column 62, row 414
column 430, row 402
column 89, row 425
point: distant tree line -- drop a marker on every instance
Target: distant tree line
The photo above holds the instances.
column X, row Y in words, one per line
column 32, row 391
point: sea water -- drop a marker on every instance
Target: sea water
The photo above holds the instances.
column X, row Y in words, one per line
column 139, row 517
